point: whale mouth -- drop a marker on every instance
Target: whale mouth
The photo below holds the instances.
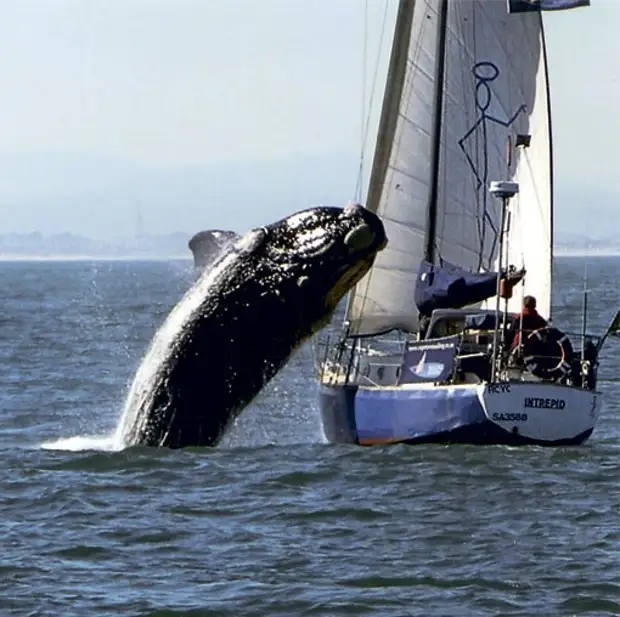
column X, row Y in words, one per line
column 345, row 282
column 363, row 242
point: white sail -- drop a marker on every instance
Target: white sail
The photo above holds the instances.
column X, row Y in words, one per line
column 401, row 177
column 504, row 95
column 530, row 233
column 493, row 74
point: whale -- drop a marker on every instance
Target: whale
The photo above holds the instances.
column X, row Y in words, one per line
column 242, row 320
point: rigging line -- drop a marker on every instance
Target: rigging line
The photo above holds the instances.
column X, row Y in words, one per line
column 533, row 178
column 528, row 163
column 356, row 291
column 517, row 219
column 587, row 248
column 373, row 88
column 363, row 118
column 365, row 123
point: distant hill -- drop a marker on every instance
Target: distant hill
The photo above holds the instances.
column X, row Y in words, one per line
column 585, row 214
column 96, row 205
column 100, row 197
column 67, row 245
column 175, row 245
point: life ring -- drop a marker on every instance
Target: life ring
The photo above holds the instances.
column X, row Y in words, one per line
column 547, row 353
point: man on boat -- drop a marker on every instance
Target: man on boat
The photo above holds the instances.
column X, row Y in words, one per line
column 528, row 320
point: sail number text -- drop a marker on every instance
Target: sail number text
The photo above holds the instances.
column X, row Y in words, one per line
column 510, row 417
column 498, row 388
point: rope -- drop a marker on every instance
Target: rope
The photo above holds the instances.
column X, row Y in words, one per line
column 363, row 118
column 367, row 112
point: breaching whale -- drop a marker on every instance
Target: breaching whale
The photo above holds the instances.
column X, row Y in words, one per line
column 240, row 322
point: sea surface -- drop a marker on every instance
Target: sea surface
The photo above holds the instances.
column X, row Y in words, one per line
column 275, row 521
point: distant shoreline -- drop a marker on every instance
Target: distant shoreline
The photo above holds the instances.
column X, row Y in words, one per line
column 39, row 258
column 586, row 253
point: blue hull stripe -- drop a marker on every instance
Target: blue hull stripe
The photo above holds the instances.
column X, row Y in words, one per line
column 375, row 416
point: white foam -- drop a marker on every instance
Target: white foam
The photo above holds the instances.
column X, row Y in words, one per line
column 107, row 443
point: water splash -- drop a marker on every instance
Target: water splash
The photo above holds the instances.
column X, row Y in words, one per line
column 143, row 385
column 107, row 443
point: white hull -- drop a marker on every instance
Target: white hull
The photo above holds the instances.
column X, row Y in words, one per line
column 539, row 411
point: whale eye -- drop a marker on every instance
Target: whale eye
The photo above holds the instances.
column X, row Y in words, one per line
column 359, row 238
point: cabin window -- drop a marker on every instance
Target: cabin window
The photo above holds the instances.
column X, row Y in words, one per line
column 447, row 327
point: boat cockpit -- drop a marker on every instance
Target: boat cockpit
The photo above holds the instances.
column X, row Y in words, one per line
column 457, row 346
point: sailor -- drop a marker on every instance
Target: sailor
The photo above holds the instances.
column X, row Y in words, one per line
column 528, row 321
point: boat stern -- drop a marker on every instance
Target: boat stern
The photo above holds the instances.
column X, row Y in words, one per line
column 542, row 412
column 506, row 413
column 337, row 408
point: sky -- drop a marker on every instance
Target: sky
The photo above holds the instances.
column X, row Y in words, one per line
column 166, row 99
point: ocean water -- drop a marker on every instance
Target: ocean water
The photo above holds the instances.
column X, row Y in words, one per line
column 275, row 521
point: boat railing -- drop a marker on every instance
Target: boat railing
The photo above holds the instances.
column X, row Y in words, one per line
column 347, row 359
column 379, row 360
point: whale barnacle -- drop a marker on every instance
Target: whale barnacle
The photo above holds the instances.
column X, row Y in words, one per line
column 303, row 281
column 252, row 240
column 351, row 208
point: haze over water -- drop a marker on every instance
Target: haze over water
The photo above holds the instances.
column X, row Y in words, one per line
column 275, row 522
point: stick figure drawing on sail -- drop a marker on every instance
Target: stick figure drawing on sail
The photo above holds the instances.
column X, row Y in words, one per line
column 484, row 73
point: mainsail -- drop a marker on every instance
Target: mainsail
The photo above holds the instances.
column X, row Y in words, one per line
column 464, row 77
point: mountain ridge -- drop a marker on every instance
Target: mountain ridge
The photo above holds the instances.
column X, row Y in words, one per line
column 103, row 197
column 175, row 245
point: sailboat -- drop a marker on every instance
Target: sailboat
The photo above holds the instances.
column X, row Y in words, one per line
column 462, row 178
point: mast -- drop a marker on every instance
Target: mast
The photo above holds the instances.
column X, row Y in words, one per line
column 440, row 69
column 551, row 159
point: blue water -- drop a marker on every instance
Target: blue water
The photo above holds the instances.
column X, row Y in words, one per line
column 275, row 522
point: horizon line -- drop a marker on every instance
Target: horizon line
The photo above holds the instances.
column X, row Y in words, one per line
column 67, row 257
column 18, row 257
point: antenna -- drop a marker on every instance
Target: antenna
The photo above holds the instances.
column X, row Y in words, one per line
column 584, row 316
column 504, row 190
column 509, row 153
